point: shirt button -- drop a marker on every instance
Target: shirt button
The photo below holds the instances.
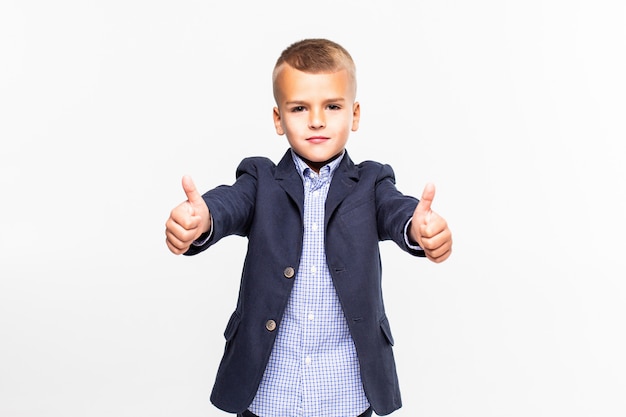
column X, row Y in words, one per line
column 270, row 325
column 307, row 360
column 314, row 227
column 310, row 316
column 289, row 272
column 313, row 269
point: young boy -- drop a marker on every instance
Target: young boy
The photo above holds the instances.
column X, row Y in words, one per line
column 309, row 336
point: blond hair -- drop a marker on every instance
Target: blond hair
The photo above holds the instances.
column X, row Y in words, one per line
column 315, row 56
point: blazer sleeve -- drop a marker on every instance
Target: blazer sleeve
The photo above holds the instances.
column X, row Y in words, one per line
column 232, row 206
column 393, row 210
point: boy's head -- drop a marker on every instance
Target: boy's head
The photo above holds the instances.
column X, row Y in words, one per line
column 314, row 84
column 316, row 56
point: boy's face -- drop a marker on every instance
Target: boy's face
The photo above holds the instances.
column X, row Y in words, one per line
column 316, row 112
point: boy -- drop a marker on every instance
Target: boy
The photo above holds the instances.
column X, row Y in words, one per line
column 309, row 336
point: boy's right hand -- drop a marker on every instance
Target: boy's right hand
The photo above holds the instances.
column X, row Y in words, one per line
column 187, row 221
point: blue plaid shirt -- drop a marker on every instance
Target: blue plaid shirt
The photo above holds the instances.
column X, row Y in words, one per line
column 313, row 370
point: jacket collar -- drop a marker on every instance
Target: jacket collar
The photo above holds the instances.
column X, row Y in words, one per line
column 344, row 179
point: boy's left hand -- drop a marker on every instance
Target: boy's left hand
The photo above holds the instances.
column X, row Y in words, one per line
column 429, row 229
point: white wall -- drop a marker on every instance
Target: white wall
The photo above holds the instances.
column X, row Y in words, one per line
column 514, row 109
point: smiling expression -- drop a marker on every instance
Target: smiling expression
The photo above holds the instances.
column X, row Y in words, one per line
column 317, row 112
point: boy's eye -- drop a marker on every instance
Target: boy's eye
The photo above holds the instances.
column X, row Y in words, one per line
column 334, row 107
column 297, row 109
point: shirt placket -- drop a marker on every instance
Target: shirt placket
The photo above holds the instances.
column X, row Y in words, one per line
column 314, row 215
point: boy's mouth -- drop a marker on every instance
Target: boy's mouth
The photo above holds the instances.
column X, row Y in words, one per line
column 317, row 139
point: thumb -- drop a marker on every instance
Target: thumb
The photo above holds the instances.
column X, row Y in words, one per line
column 193, row 196
column 423, row 208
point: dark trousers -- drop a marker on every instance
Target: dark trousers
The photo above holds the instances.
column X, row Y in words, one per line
column 247, row 413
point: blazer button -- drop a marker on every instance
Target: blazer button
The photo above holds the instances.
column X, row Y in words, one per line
column 289, row 272
column 270, row 325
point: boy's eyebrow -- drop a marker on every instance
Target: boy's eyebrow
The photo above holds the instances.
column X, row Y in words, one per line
column 330, row 100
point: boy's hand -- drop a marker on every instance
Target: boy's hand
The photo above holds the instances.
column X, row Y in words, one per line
column 188, row 220
column 429, row 229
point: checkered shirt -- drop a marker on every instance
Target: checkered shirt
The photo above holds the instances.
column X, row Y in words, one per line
column 313, row 370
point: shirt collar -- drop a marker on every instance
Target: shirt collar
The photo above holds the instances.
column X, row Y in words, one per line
column 326, row 171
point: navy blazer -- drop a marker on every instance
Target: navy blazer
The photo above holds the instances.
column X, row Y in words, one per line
column 265, row 204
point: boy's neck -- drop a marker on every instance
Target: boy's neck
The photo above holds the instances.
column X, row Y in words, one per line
column 316, row 166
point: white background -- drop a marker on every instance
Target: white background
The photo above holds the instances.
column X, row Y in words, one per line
column 514, row 109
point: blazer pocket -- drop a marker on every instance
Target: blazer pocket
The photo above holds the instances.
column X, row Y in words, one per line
column 384, row 326
column 231, row 327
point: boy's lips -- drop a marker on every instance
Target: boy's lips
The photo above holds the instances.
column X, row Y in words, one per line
column 317, row 139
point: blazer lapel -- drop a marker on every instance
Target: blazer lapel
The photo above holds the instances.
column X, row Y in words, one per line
column 289, row 179
column 343, row 182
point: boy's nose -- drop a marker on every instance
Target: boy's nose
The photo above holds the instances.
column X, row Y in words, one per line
column 316, row 120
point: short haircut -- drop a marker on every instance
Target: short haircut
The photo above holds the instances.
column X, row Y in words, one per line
column 316, row 56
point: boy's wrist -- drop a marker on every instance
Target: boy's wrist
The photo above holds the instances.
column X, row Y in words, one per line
column 206, row 236
column 412, row 244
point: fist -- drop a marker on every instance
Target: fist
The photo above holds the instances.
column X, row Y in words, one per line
column 429, row 229
column 188, row 220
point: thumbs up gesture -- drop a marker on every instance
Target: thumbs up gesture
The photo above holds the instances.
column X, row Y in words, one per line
column 188, row 220
column 429, row 229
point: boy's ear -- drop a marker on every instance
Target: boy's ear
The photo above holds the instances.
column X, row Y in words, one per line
column 356, row 116
column 277, row 122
